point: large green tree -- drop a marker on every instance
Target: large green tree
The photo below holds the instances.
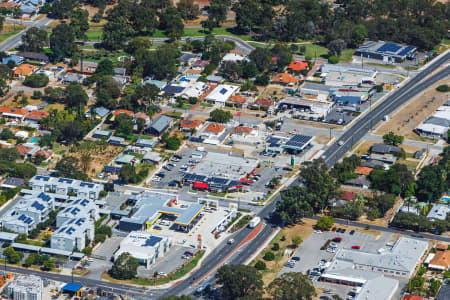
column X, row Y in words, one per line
column 292, row 286
column 62, row 41
column 34, row 39
column 125, row 267
column 171, row 22
column 79, row 21
column 240, row 282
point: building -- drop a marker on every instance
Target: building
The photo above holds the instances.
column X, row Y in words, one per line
column 99, row 134
column 116, row 140
column 188, row 125
column 313, row 108
column 298, row 66
column 150, row 206
column 159, row 84
column 194, row 90
column 40, row 57
column 438, row 212
column 101, row 111
column 69, row 78
column 221, row 94
column 440, row 260
column 286, row 79
column 237, row 100
column 338, row 76
column 73, row 234
column 360, row 170
column 146, row 143
column 151, row 157
column 16, row 59
column 233, row 57
column 215, row 130
column 244, row 131
column 146, row 247
column 65, row 186
column 385, row 51
column 35, row 116
column 437, row 125
column 13, row 112
column 159, row 125
column 80, row 208
column 297, row 143
column 413, row 297
column 384, row 149
column 24, row 70
column 25, row 287
column 12, row 182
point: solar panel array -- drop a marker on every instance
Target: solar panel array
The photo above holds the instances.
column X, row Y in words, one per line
column 153, row 241
column 299, row 140
column 38, row 205
column 45, row 178
column 406, row 50
column 189, row 177
column 84, row 202
column 65, row 180
column 44, row 197
column 389, row 47
column 223, row 91
column 88, row 184
column 25, row 219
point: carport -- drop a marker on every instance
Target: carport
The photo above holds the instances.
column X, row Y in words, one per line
column 72, row 289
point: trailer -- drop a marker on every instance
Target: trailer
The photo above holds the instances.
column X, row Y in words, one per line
column 254, row 222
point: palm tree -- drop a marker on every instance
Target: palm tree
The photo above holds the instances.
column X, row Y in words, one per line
column 85, row 160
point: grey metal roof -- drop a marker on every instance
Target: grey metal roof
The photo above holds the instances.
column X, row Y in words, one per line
column 101, row 111
column 26, row 247
column 444, row 293
column 214, row 78
column 116, row 139
column 103, row 133
column 189, row 214
column 77, row 255
column 55, row 251
column 7, row 236
column 146, row 143
column 383, row 148
column 161, row 123
column 437, row 121
column 14, row 181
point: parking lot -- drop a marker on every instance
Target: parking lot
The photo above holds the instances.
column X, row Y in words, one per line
column 310, row 254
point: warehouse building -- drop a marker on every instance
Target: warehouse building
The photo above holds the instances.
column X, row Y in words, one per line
column 387, row 52
column 437, row 125
column 65, row 186
column 73, row 234
column 312, row 108
column 25, row 287
column 146, row 247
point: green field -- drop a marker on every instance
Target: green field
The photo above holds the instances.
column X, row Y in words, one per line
column 5, row 36
column 94, row 35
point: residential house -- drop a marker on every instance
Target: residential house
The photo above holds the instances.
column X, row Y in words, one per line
column 297, row 66
column 386, row 158
column 237, row 101
column 13, row 113
column 440, row 261
column 101, row 111
column 46, row 154
column 413, row 297
column 286, row 79
column 384, row 149
column 189, row 125
column 263, row 103
column 360, row 170
column 146, row 143
column 119, row 112
column 151, row 157
column 173, row 90
column 194, row 90
column 214, row 79
column 234, row 57
column 438, row 212
column 120, row 71
column 12, row 182
column 159, row 125
column 27, row 150
column 16, row 59
column 360, row 181
column 159, row 84
column 116, row 141
column 69, row 78
column 221, row 94
column 244, row 131
column 40, row 57
column 35, row 116
column 214, row 130
column 24, row 70
column 99, row 134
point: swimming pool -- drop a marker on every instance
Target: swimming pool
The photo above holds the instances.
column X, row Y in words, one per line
column 33, row 140
column 445, row 198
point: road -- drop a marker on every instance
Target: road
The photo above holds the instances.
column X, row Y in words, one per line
column 362, row 126
column 16, row 40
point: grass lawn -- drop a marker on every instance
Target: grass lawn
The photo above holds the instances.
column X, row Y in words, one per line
column 346, row 55
column 94, row 35
column 314, row 50
column 6, row 35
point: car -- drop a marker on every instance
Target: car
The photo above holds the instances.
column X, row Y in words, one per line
column 161, row 174
column 231, row 241
column 295, row 258
column 333, row 244
column 352, row 232
column 156, row 179
column 334, row 229
column 314, row 273
column 289, row 265
column 338, row 230
column 178, row 156
column 317, row 231
column 157, row 228
column 162, row 274
column 168, row 168
column 340, row 143
column 343, row 230
column 356, row 247
column 172, row 183
column 172, row 165
column 337, row 239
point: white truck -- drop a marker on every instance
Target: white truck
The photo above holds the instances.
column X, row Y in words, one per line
column 254, row 222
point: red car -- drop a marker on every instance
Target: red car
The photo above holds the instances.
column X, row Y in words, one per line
column 337, row 239
column 356, row 247
column 334, row 229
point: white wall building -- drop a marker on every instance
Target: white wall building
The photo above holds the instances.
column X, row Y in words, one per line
column 80, row 208
column 221, row 94
column 25, row 287
column 72, row 234
column 65, row 186
column 146, row 247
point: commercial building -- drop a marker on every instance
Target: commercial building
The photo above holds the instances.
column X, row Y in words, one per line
column 339, row 76
column 437, row 125
column 66, row 186
column 313, row 108
column 221, row 94
column 25, row 287
column 146, row 247
column 80, row 208
column 298, row 143
column 387, row 52
column 150, row 206
column 72, row 234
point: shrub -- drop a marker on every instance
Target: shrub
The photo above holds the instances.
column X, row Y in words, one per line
column 333, row 60
column 443, row 88
column 260, row 265
column 275, row 247
column 36, row 80
column 269, row 256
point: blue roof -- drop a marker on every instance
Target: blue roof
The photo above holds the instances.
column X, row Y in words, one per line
column 101, row 111
column 72, row 287
column 111, row 169
column 15, row 58
column 389, row 47
column 153, row 241
column 173, row 89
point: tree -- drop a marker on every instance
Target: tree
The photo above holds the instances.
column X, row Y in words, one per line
column 220, row 116
column 217, row 13
column 170, row 21
column 85, row 160
column 138, row 43
column 261, row 57
column 335, row 47
column 173, row 143
column 116, row 32
column 292, row 286
column 6, row 134
column 189, row 10
column 79, row 21
column 325, row 223
column 333, row 59
column 38, row 159
column 359, row 34
column 30, row 260
column 240, row 281
column 269, row 256
column 161, row 63
column 105, row 67
column 67, row 165
column 430, row 183
column 260, row 265
column 34, row 39
column 24, row 170
column 48, row 265
column 124, row 124
column 127, row 174
column 75, row 96
column 62, row 9
column 443, row 88
column 392, row 139
column 296, row 241
column 12, row 255
column 9, row 154
column 62, row 41
column 36, row 80
column 247, row 15
column 125, row 267
column 140, row 124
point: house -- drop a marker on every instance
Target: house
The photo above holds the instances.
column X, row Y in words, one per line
column 215, row 130
column 69, row 78
column 237, row 101
column 151, row 157
column 297, row 66
column 13, row 112
column 125, row 159
column 40, row 57
column 411, row 209
column 16, row 59
column 46, row 154
column 120, row 71
column 221, row 94
column 141, row 115
column 384, row 149
column 263, row 103
column 233, row 57
column 24, row 149
column 101, row 111
column 146, row 143
column 386, row 158
column 438, row 212
column 35, row 116
column 159, row 84
column 437, row 125
column 360, row 170
column 159, row 125
column 121, row 80
column 73, row 234
column 173, row 90
column 244, row 131
column 189, row 125
column 214, row 79
column 360, row 181
column 440, row 261
column 286, row 79
column 12, row 182
column 200, row 64
column 122, row 111
column 99, row 134
column 116, row 141
column 194, row 90
column 24, row 70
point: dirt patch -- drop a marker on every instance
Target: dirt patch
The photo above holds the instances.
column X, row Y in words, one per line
column 11, row 102
column 362, row 147
column 414, row 112
column 322, row 139
column 281, row 257
column 273, row 91
column 100, row 159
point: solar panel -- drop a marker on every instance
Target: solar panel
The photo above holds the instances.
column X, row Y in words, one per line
column 152, row 241
column 299, row 140
column 406, row 50
column 223, row 91
column 389, row 47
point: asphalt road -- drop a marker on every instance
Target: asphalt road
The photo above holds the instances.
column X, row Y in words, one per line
column 392, row 102
column 16, row 40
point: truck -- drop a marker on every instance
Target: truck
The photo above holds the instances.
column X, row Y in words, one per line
column 254, row 222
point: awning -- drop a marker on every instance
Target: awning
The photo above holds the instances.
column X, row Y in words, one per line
column 72, row 287
column 200, row 185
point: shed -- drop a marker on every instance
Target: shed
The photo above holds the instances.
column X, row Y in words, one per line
column 12, row 182
column 102, row 134
column 146, row 143
column 125, row 159
column 115, row 140
column 101, row 111
column 7, row 236
column 159, row 125
column 152, row 157
column 71, row 288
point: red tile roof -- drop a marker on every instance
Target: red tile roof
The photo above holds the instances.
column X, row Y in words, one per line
column 238, row 99
column 23, row 149
column 297, row 65
column 264, row 102
column 141, row 115
column 348, row 196
column 190, row 124
column 285, row 78
column 363, row 170
column 24, row 69
column 215, row 128
column 36, row 115
column 413, row 297
column 123, row 111
column 46, row 154
column 242, row 129
column 441, row 258
column 13, row 110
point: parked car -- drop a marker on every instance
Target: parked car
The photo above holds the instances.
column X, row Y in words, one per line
column 343, row 230
column 295, row 258
column 356, row 247
column 334, row 229
column 231, row 241
column 352, row 232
